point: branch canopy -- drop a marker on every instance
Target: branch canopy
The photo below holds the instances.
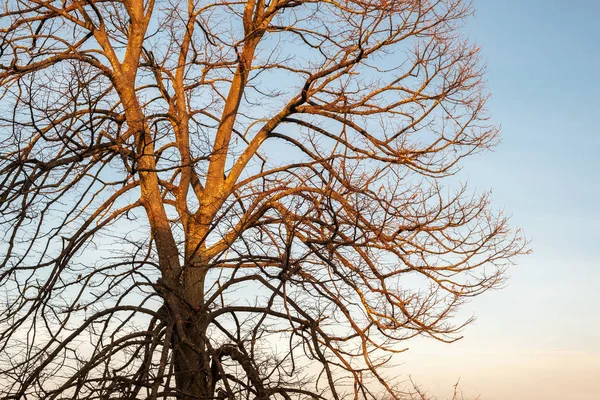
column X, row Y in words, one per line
column 236, row 199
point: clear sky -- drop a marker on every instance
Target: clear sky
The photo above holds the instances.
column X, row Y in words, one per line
column 539, row 338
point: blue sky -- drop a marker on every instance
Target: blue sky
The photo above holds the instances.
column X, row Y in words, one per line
column 539, row 338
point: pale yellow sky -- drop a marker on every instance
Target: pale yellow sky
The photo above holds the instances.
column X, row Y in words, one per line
column 505, row 373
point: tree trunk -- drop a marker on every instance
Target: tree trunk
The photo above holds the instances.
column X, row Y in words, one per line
column 191, row 358
column 191, row 362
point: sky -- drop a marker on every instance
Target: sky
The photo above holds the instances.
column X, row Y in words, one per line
column 539, row 337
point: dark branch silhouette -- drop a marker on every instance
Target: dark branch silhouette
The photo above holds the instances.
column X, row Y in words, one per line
column 236, row 199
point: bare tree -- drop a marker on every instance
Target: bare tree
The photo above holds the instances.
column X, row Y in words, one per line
column 236, row 199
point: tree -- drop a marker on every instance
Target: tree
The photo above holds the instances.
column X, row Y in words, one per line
column 236, row 199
